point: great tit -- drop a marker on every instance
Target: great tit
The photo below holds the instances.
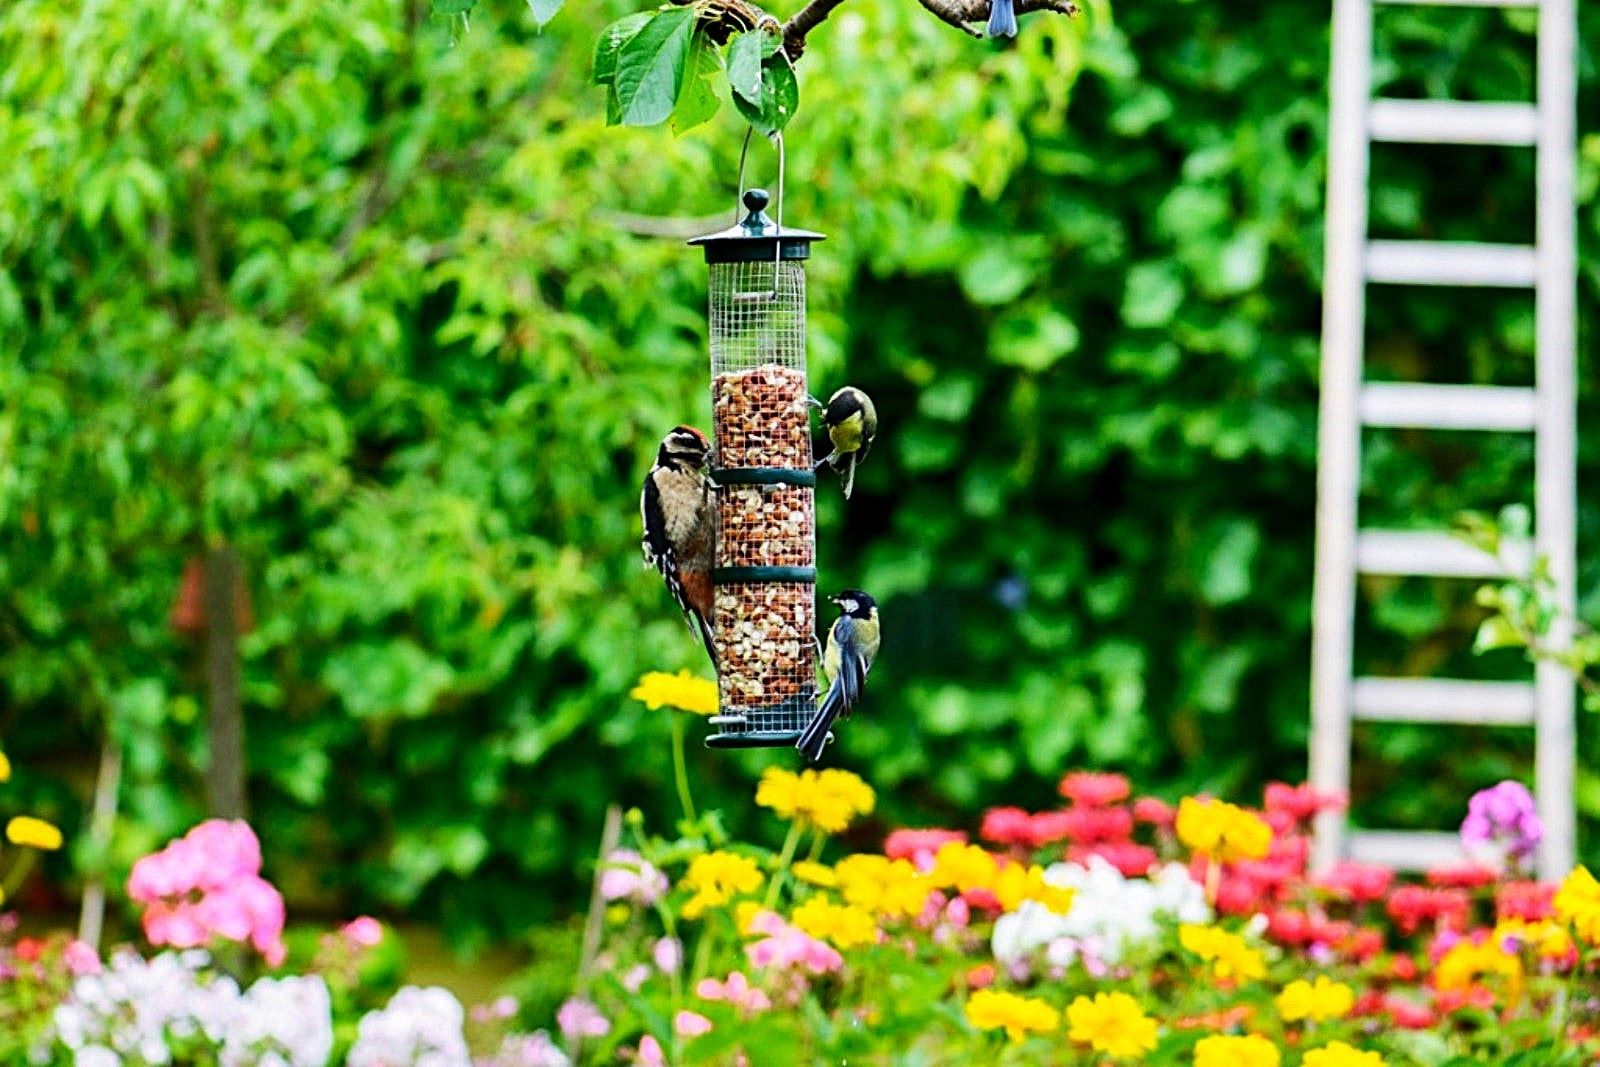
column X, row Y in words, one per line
column 1002, row 19
column 852, row 423
column 852, row 646
column 679, row 511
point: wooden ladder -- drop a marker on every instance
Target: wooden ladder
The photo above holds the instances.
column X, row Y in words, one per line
column 1546, row 409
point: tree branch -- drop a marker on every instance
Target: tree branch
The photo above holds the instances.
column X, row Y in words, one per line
column 957, row 13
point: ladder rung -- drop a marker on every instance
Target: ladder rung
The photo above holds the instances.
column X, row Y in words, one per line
column 1442, row 700
column 1406, row 850
column 1437, row 555
column 1422, row 405
column 1450, row 263
column 1452, row 122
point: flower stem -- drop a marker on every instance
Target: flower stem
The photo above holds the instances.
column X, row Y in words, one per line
column 786, row 857
column 680, row 769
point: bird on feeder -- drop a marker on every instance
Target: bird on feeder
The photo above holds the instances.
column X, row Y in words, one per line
column 852, row 423
column 852, row 646
column 679, row 511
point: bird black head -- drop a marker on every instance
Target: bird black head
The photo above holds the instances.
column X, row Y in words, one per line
column 684, row 446
column 855, row 603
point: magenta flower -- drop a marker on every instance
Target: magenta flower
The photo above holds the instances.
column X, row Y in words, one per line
column 690, row 1024
column 626, row 876
column 786, row 946
column 737, row 991
column 668, row 954
column 578, row 1018
column 81, row 959
column 208, row 884
column 364, row 931
column 1504, row 820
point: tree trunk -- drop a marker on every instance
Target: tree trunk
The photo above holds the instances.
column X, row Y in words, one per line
column 225, row 774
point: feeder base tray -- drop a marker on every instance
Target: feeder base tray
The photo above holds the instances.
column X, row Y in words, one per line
column 755, row 739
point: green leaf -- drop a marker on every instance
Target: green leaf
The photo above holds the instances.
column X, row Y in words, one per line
column 453, row 7
column 650, row 70
column 1153, row 294
column 611, row 42
column 698, row 101
column 777, row 101
column 746, row 53
column 544, row 10
column 996, row 275
column 1496, row 632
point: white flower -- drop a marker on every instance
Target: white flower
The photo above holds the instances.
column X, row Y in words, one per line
column 282, row 1022
column 1109, row 913
column 417, row 1028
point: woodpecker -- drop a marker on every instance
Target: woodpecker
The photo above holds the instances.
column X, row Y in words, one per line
column 852, row 423
column 852, row 646
column 679, row 512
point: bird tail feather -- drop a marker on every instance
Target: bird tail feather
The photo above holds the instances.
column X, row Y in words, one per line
column 815, row 736
column 1002, row 19
column 850, row 475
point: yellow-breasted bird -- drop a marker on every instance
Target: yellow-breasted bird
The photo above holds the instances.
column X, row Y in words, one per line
column 679, row 511
column 852, row 423
column 852, row 646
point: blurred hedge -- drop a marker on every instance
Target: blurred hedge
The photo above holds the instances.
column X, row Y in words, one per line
column 357, row 290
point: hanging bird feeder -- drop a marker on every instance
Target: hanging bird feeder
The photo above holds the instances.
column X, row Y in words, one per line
column 764, row 613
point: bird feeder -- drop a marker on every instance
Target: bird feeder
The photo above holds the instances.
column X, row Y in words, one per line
column 764, row 609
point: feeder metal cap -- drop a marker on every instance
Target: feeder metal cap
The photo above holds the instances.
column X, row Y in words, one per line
column 752, row 239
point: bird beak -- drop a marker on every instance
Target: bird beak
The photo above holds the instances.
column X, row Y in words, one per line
column 815, row 404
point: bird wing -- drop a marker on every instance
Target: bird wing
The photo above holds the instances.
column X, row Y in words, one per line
column 852, row 669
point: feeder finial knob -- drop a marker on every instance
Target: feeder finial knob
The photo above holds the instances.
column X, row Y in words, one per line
column 756, row 200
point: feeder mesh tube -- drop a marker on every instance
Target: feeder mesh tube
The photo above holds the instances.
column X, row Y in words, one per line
column 764, row 629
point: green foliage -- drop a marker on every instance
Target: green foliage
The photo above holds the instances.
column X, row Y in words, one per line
column 357, row 291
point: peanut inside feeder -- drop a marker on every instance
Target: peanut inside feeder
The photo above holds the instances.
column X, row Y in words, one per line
column 764, row 615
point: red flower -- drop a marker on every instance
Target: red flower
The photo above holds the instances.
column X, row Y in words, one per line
column 1467, row 876
column 919, row 846
column 1048, row 827
column 1289, row 927
column 1300, row 802
column 29, row 948
column 1477, row 996
column 1403, row 968
column 1529, row 901
column 1156, row 812
column 1131, row 860
column 1090, row 790
column 1364, row 944
column 1085, row 826
column 1359, row 882
column 1407, row 1015
column 1007, row 826
column 1412, row 905
column 980, row 976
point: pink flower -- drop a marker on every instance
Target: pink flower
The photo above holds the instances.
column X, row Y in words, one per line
column 364, row 931
column 228, row 852
column 81, row 959
column 636, row 976
column 650, row 1054
column 579, row 1018
column 1300, row 802
column 1359, row 882
column 920, row 846
column 668, row 953
column 207, row 884
column 785, row 946
column 1088, row 789
column 690, row 1024
column 1156, row 812
column 626, row 876
column 737, row 991
column 175, row 925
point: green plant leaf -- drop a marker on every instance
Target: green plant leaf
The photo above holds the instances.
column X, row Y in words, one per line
column 777, row 100
column 544, row 10
column 746, row 53
column 650, row 70
column 698, row 101
column 610, row 43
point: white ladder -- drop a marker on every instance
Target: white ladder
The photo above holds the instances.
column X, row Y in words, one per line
column 1344, row 550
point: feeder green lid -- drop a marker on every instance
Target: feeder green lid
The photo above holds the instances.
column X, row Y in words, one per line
column 753, row 238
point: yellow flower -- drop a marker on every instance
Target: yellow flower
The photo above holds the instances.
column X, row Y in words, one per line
column 846, row 926
column 1468, row 961
column 1548, row 940
column 1230, row 957
column 683, row 691
column 1221, row 830
column 1252, row 1050
column 1112, row 1023
column 33, row 833
column 744, row 916
column 716, row 878
column 1016, row 883
column 991, row 1009
column 1339, row 1054
column 827, row 800
column 891, row 889
column 963, row 868
column 5, row 768
column 1317, row 1000
column 1578, row 903
column 815, row 873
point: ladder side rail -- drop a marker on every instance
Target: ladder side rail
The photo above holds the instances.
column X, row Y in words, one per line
column 1555, row 476
column 1338, row 428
